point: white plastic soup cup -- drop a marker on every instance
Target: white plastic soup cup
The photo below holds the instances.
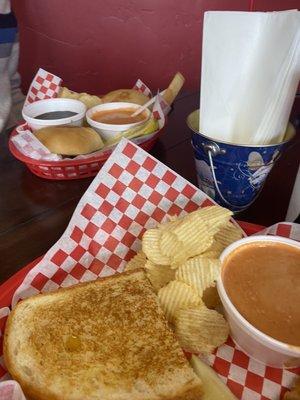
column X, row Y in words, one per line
column 252, row 341
column 109, row 131
column 33, row 110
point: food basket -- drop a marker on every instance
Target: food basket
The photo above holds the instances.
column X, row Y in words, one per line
column 46, row 85
column 245, row 378
column 71, row 169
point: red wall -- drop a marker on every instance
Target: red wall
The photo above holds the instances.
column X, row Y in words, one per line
column 100, row 45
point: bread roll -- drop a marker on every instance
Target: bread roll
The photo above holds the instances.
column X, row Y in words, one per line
column 126, row 95
column 69, row 140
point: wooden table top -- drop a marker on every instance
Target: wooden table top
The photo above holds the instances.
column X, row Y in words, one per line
column 34, row 212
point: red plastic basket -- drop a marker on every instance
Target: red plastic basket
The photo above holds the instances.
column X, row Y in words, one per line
column 73, row 169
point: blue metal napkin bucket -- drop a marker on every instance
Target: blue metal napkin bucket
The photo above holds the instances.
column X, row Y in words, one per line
column 233, row 175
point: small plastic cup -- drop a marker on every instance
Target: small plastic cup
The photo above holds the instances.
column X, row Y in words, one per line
column 109, row 131
column 252, row 341
column 31, row 111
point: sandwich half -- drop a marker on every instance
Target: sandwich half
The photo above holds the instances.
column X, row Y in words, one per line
column 107, row 339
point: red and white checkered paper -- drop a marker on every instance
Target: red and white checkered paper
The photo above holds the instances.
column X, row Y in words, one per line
column 45, row 86
column 11, row 390
column 132, row 193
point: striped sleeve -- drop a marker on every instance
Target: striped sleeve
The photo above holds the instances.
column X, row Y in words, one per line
column 11, row 98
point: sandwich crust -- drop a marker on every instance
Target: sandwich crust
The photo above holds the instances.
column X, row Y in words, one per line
column 106, row 339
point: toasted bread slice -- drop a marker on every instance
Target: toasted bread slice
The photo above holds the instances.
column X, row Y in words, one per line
column 106, row 339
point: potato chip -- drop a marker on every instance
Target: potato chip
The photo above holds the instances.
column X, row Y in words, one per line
column 151, row 247
column 170, row 224
column 169, row 243
column 211, row 254
column 214, row 251
column 172, row 218
column 168, row 218
column 211, row 298
column 199, row 329
column 173, row 249
column 228, row 234
column 199, row 272
column 186, row 237
column 177, row 295
column 137, row 261
column 215, row 217
column 192, row 233
column 159, row 275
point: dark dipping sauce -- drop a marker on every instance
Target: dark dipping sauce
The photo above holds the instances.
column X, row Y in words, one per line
column 56, row 115
column 262, row 280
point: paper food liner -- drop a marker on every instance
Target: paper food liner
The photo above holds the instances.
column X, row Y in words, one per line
column 11, row 390
column 134, row 192
column 45, row 86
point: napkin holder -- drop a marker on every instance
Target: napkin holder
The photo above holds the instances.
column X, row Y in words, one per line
column 233, row 175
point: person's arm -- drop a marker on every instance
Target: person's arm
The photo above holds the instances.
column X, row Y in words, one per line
column 11, row 97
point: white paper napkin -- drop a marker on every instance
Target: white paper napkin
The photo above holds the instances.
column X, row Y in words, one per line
column 250, row 73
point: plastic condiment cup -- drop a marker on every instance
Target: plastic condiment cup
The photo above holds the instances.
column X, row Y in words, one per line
column 252, row 341
column 33, row 110
column 109, row 131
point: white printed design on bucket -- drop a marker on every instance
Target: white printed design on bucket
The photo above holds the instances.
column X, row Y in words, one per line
column 255, row 169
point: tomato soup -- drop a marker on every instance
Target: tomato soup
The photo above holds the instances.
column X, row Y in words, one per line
column 262, row 280
column 119, row 116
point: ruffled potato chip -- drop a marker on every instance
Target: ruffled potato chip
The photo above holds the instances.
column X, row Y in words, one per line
column 173, row 248
column 214, row 217
column 169, row 244
column 200, row 330
column 151, row 247
column 199, row 272
column 170, row 223
column 192, row 233
column 159, row 275
column 214, row 251
column 228, row 234
column 177, row 295
column 184, row 239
